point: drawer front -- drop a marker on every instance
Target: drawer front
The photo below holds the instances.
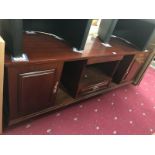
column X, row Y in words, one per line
column 94, row 88
column 104, row 59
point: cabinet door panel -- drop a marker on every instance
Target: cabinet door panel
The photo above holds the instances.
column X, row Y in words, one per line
column 133, row 70
column 32, row 88
column 35, row 90
column 135, row 67
column 123, row 68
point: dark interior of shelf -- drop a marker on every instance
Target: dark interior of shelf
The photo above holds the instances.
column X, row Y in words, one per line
column 77, row 75
column 106, row 67
column 71, row 75
column 97, row 73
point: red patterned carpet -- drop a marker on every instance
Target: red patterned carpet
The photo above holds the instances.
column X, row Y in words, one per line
column 127, row 110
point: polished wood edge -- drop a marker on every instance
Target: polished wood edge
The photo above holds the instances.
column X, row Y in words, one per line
column 15, row 121
column 2, row 47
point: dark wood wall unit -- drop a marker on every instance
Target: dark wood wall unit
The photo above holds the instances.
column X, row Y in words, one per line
column 55, row 76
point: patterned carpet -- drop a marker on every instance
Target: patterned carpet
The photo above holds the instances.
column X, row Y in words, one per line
column 127, row 110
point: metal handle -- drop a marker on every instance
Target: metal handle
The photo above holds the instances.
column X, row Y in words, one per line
column 55, row 87
column 95, row 87
column 85, row 76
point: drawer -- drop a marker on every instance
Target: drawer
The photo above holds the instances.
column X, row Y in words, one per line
column 104, row 59
column 94, row 88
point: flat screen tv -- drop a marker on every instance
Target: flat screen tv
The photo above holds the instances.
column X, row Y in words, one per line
column 135, row 31
column 74, row 31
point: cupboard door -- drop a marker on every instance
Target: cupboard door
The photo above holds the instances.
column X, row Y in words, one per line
column 132, row 71
column 36, row 90
column 32, row 88
column 123, row 69
column 135, row 67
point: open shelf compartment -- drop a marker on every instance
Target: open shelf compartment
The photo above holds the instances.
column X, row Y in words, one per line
column 96, row 77
column 78, row 78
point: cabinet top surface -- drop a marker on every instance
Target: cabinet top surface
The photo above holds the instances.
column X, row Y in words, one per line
column 43, row 48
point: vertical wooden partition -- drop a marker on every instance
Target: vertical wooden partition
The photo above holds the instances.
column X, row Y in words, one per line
column 2, row 45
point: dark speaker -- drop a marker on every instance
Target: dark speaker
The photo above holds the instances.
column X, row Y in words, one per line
column 12, row 32
column 106, row 29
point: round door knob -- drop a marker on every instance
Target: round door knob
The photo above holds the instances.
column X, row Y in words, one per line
column 85, row 76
